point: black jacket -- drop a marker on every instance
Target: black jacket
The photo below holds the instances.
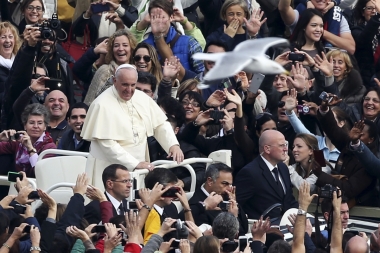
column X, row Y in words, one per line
column 67, row 143
column 363, row 36
column 353, row 88
column 79, row 25
column 201, row 216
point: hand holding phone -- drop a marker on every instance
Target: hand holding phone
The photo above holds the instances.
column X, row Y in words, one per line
column 12, row 176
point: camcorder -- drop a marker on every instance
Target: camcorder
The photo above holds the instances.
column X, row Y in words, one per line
column 296, row 57
column 49, row 28
column 327, row 191
column 325, row 97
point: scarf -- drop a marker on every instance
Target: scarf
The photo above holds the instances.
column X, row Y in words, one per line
column 7, row 62
column 22, row 156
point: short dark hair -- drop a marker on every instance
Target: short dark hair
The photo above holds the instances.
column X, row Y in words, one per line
column 213, row 170
column 173, row 109
column 166, row 6
column 216, row 43
column 147, row 78
column 4, row 223
column 161, row 176
column 193, row 95
column 79, row 105
column 110, row 172
column 280, row 246
column 326, row 205
column 42, row 66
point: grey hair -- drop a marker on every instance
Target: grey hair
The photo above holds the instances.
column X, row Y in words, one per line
column 35, row 110
column 213, row 170
column 225, row 225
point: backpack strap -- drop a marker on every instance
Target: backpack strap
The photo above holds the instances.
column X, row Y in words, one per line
column 174, row 40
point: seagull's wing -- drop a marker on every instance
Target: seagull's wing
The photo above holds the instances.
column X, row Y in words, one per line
column 228, row 66
column 208, row 57
column 260, row 46
column 261, row 64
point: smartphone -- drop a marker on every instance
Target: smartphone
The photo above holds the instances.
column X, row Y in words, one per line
column 18, row 208
column 224, row 205
column 171, row 192
column 256, row 81
column 12, row 176
column 217, row 116
column 53, row 83
column 243, row 241
column 33, row 195
column 175, row 244
column 99, row 229
column 319, row 157
column 137, row 196
column 296, row 57
column 98, row 8
column 27, row 229
column 132, row 205
column 225, row 196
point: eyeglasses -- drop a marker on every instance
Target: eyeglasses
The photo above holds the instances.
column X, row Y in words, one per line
column 78, row 116
column 36, row 76
column 32, row 8
column 375, row 100
column 145, row 90
column 260, row 115
column 282, row 146
column 125, row 181
column 146, row 58
column 369, row 8
column 194, row 103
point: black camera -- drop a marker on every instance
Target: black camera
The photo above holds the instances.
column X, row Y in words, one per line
column 229, row 246
column 296, row 57
column 327, row 191
column 217, row 116
column 180, row 232
column 49, row 27
column 224, row 205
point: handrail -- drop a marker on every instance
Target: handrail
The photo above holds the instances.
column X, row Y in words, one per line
column 61, row 152
column 172, row 164
column 32, row 182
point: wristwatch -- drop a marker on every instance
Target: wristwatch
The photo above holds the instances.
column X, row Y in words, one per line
column 231, row 131
column 32, row 150
column 147, row 207
column 301, row 212
column 35, row 248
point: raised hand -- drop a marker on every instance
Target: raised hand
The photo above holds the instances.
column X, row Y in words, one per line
column 158, row 22
column 101, row 48
column 7, row 134
column 304, row 197
column 259, row 229
column 25, row 140
column 255, row 22
column 309, row 61
column 203, row 118
column 94, row 193
column 81, row 184
column 298, row 80
column 114, row 18
column 171, row 68
column 324, row 65
column 356, row 132
column 216, row 99
column 178, row 15
column 283, row 58
column 291, row 101
column 39, row 84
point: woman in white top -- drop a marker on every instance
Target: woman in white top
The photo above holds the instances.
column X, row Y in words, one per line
column 301, row 171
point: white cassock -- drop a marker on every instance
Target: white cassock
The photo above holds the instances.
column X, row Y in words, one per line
column 118, row 131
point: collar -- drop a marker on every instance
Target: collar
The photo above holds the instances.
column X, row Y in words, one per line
column 76, row 142
column 324, row 146
column 60, row 126
column 204, row 190
column 114, row 201
column 270, row 166
column 159, row 209
column 41, row 138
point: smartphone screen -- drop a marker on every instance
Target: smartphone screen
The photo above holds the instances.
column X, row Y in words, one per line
column 99, row 229
column 33, row 195
column 132, row 205
column 319, row 157
column 243, row 241
column 12, row 176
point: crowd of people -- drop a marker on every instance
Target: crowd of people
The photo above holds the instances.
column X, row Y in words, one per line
column 116, row 79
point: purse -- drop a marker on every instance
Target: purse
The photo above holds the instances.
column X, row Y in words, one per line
column 76, row 49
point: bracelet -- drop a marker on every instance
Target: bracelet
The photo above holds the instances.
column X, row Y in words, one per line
column 159, row 36
column 186, row 210
column 184, row 21
column 6, row 246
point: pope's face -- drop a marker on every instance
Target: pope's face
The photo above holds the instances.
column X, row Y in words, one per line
column 125, row 83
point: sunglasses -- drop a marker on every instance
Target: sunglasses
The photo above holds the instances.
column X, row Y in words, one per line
column 36, row 76
column 146, row 58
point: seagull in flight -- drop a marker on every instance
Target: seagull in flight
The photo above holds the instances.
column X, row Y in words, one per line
column 248, row 56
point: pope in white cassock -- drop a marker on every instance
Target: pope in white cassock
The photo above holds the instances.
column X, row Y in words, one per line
column 118, row 124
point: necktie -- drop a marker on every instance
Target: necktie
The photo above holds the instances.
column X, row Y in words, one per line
column 279, row 185
column 121, row 209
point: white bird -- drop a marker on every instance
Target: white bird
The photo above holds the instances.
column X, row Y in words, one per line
column 248, row 56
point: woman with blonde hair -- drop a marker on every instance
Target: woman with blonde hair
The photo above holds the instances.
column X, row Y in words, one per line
column 346, row 78
column 9, row 45
column 119, row 51
column 190, row 84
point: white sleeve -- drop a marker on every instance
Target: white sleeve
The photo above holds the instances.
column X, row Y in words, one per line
column 116, row 154
column 344, row 4
column 344, row 27
column 296, row 18
column 297, row 180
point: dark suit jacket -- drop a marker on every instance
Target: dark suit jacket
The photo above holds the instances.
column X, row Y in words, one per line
column 256, row 189
column 201, row 216
column 92, row 211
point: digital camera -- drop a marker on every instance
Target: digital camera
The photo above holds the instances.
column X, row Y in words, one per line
column 327, row 191
column 304, row 109
column 49, row 27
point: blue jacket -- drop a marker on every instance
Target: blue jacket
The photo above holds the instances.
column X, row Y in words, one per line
column 180, row 49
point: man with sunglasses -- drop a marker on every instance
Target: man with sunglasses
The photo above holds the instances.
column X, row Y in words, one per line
column 71, row 139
